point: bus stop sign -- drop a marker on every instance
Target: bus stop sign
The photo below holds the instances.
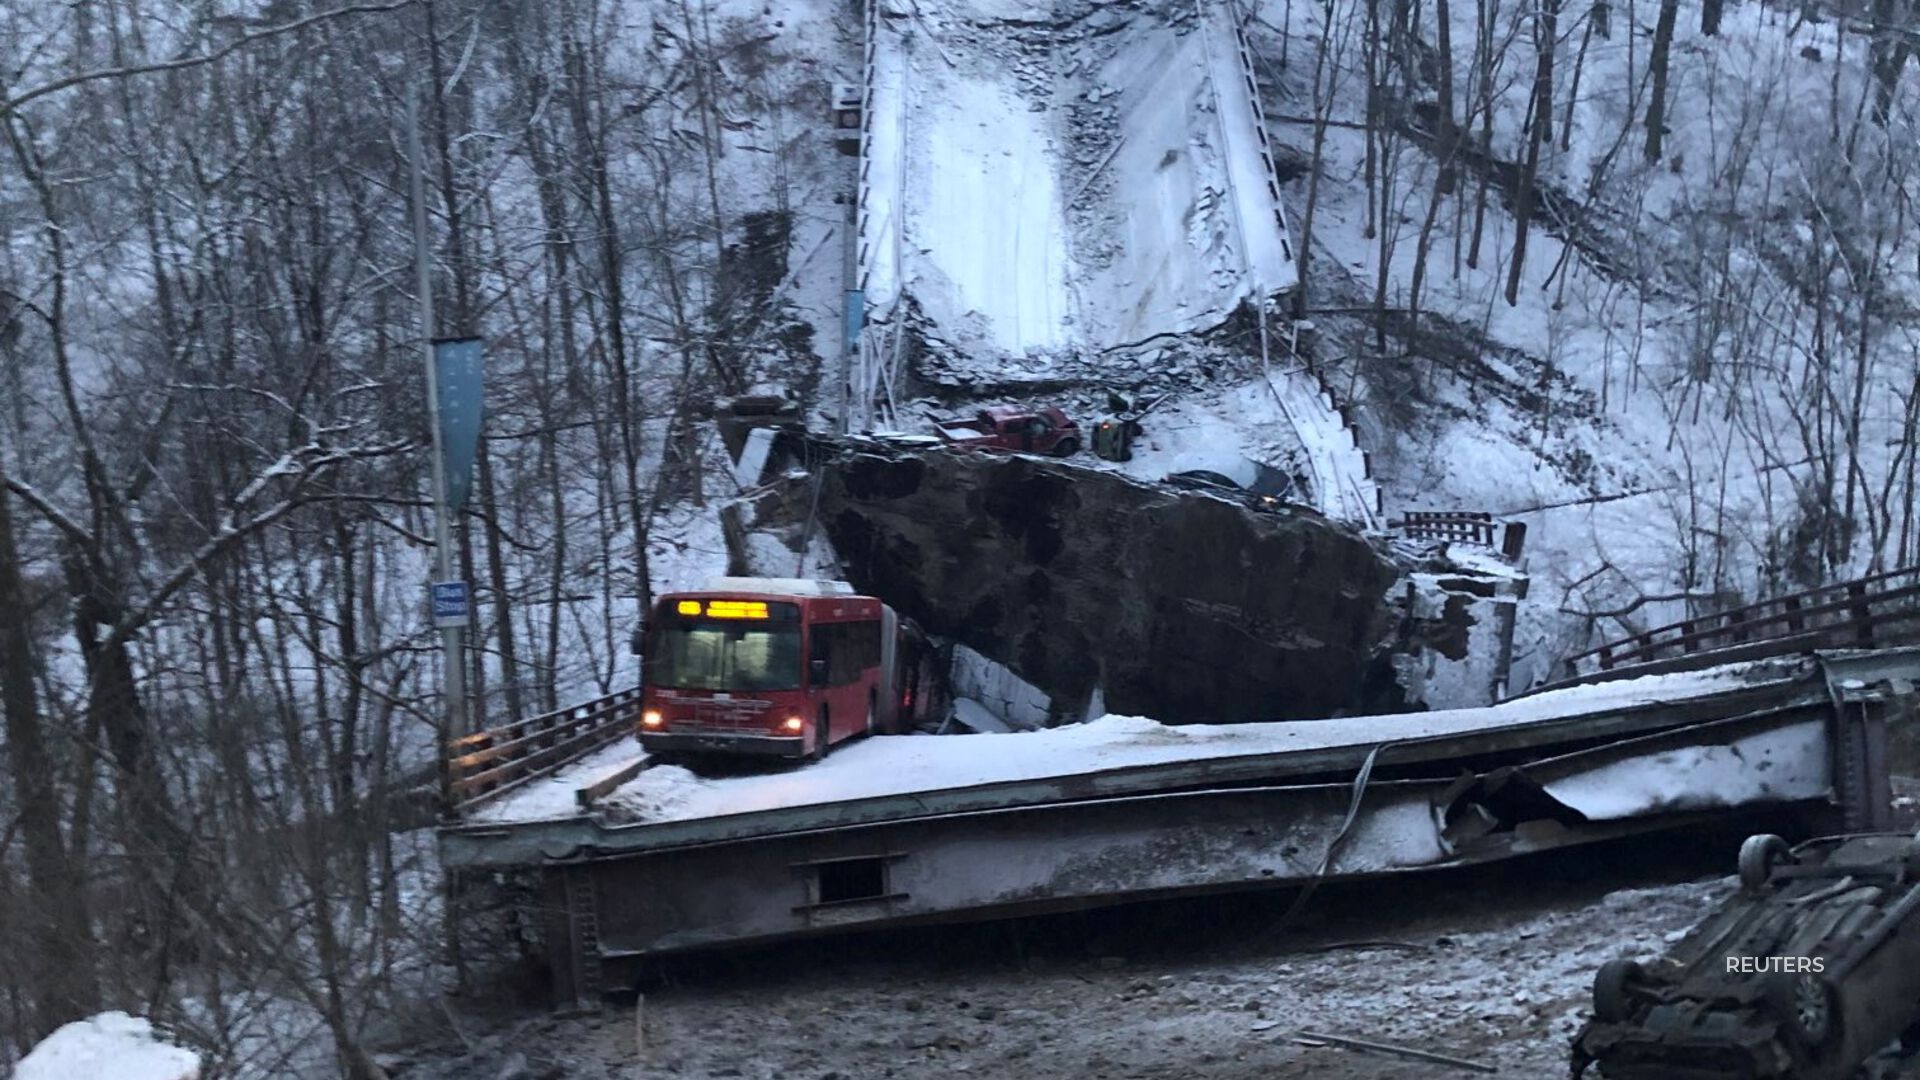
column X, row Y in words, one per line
column 450, row 604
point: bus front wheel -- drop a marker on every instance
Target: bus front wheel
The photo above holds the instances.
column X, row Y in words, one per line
column 821, row 736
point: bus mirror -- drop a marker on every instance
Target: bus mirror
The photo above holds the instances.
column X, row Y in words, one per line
column 638, row 643
column 818, row 669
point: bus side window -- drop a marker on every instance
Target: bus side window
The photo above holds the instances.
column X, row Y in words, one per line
column 820, row 655
column 856, row 648
column 846, row 650
column 845, row 664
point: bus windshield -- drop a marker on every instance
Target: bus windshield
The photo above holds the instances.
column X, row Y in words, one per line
column 726, row 656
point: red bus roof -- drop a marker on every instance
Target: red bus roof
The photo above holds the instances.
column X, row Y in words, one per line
column 772, row 586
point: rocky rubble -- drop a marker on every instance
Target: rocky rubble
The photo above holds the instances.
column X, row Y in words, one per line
column 1177, row 607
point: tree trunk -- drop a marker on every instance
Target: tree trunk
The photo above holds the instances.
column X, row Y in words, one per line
column 1573, row 90
column 497, row 582
column 1322, row 112
column 1537, row 133
column 1710, row 17
column 59, row 972
column 1370, row 51
column 1546, row 43
column 1657, row 106
column 1888, row 65
column 1483, row 54
column 590, row 140
column 1446, row 133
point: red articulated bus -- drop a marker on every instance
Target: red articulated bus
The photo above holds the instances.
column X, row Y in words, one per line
column 774, row 667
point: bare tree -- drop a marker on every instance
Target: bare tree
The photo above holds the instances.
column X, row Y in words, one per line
column 1658, row 65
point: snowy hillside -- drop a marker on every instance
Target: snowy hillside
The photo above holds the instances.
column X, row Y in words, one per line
column 1701, row 386
column 1644, row 277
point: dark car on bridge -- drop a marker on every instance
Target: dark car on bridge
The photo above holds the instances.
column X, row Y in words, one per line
column 1809, row 970
column 1271, row 489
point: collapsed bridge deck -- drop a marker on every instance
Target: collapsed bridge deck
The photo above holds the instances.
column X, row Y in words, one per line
column 909, row 829
column 1045, row 181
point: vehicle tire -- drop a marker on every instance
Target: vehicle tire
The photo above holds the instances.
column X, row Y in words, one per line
column 1613, row 991
column 822, row 736
column 1806, row 1007
column 1066, row 447
column 1758, row 856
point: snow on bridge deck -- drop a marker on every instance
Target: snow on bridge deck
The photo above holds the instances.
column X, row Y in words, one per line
column 921, row 766
column 1101, row 190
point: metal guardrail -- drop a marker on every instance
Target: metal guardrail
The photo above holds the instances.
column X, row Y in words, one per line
column 488, row 764
column 1870, row 612
column 1237, row 21
column 1464, row 527
column 1467, row 526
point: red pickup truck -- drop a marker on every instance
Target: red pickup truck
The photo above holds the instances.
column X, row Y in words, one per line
column 1032, row 431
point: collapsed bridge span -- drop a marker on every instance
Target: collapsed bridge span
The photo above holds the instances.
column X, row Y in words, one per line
column 1045, row 179
column 638, row 861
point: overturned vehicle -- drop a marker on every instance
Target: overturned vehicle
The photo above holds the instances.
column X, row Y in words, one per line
column 1812, row 968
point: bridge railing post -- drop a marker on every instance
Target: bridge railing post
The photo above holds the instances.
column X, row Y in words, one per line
column 1796, row 622
column 1861, row 613
column 1515, row 540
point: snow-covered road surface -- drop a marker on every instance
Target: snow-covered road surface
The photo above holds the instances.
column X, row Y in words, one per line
column 896, row 765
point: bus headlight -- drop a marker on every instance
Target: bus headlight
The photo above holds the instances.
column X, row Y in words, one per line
column 793, row 724
column 651, row 719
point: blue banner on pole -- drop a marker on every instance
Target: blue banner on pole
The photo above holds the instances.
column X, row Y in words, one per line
column 457, row 373
column 856, row 316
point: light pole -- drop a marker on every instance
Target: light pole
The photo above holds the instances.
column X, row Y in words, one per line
column 451, row 626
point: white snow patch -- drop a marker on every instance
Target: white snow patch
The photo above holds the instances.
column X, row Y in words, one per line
column 1791, row 763
column 553, row 796
column 667, row 789
column 984, row 214
column 110, row 1046
column 1285, row 421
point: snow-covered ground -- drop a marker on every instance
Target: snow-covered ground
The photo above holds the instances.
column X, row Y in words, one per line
column 110, row 1046
column 1495, row 967
column 1668, row 365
